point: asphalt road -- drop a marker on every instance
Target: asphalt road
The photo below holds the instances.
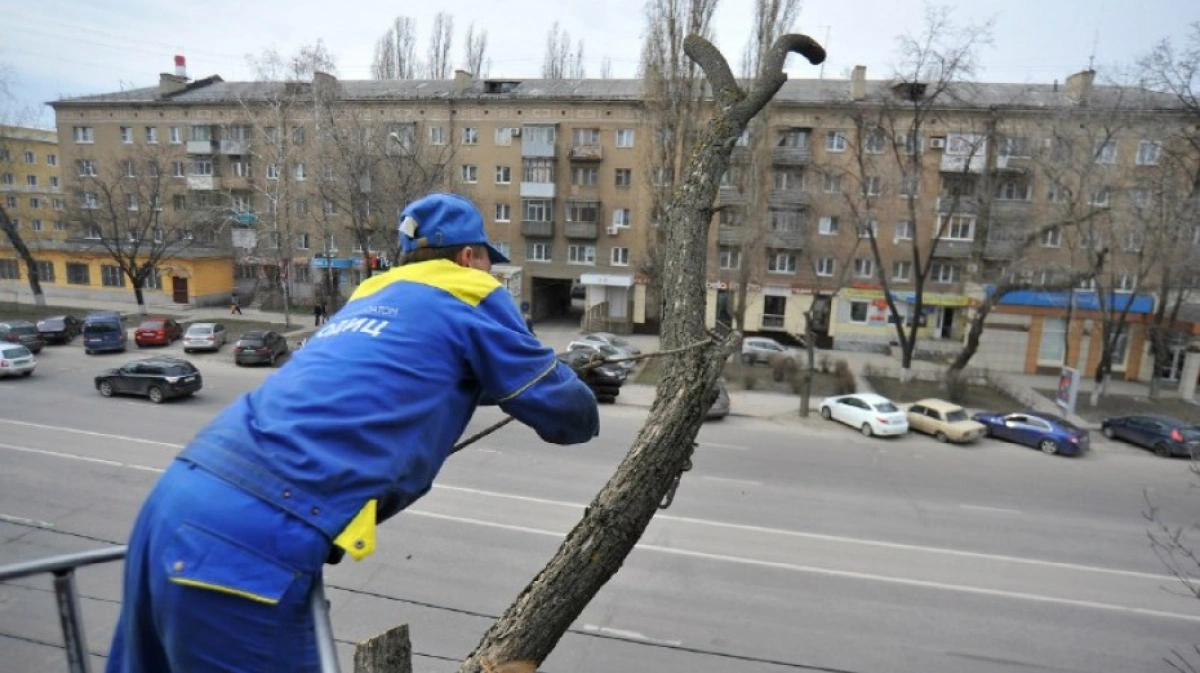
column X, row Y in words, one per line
column 797, row 546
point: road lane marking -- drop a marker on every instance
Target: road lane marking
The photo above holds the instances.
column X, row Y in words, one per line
column 728, row 480
column 719, row 445
column 846, row 574
column 628, row 635
column 89, row 433
column 20, row 520
column 985, row 508
column 716, row 524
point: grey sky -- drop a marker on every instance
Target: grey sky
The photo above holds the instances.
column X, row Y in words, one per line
column 58, row 48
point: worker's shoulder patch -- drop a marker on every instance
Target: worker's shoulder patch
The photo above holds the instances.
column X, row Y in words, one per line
column 471, row 286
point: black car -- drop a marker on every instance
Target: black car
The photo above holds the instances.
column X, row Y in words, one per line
column 604, row 380
column 60, row 329
column 1164, row 435
column 720, row 406
column 156, row 378
column 259, row 347
column 22, row 332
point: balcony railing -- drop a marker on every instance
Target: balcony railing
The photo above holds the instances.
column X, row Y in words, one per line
column 585, row 230
column 534, row 229
column 233, row 147
column 203, row 183
column 729, row 196
column 784, row 198
column 729, row 235
column 954, row 249
column 202, row 146
column 586, row 153
column 791, row 156
column 537, row 190
column 1000, row 249
column 957, row 205
column 786, row 240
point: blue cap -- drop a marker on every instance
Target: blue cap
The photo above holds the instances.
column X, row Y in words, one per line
column 443, row 221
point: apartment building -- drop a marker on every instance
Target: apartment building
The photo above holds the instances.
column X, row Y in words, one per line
column 32, row 194
column 562, row 171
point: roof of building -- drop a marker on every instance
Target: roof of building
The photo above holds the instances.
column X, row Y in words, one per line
column 795, row 91
column 26, row 133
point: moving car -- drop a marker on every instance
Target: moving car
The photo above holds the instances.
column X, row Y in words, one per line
column 872, row 414
column 612, row 340
column 157, row 331
column 1046, row 432
column 609, row 353
column 24, row 333
column 259, row 347
column 156, row 378
column 1164, row 435
column 104, row 331
column 204, row 336
column 946, row 421
column 720, row 407
column 60, row 329
column 605, row 380
column 762, row 349
column 16, row 360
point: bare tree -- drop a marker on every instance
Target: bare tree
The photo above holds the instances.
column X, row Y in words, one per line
column 595, row 549
column 395, row 51
column 441, row 40
column 9, row 133
column 475, row 48
column 606, row 68
column 557, row 60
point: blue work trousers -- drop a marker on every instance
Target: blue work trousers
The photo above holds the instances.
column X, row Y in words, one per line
column 216, row 580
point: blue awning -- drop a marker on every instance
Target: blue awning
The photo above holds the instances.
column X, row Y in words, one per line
column 1081, row 300
column 336, row 262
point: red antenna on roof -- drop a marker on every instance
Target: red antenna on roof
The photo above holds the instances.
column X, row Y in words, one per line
column 180, row 66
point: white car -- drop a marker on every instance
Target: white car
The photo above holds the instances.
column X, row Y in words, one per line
column 609, row 353
column 872, row 414
column 204, row 336
column 762, row 349
column 612, row 340
column 16, row 360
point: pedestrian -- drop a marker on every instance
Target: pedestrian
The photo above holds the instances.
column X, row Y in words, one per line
column 529, row 322
column 233, row 304
column 318, row 313
column 296, row 473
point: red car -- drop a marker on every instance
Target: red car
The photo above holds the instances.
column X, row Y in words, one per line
column 157, row 332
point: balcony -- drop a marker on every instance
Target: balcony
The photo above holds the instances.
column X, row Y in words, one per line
column 202, row 146
column 1007, row 164
column 963, row 163
column 729, row 236
column 537, row 190
column 586, row 153
column 583, row 230
column 533, row 229
column 1011, row 208
column 953, row 249
column 203, row 183
column 1001, row 249
column 236, row 147
column 787, row 198
column 785, row 240
column 532, row 144
column 237, row 182
column 730, row 196
column 960, row 205
column 791, row 156
column 739, row 155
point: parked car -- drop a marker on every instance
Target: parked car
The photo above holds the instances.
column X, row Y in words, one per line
column 1164, row 435
column 872, row 414
column 104, row 331
column 946, row 421
column 259, row 347
column 612, row 340
column 605, row 380
column 60, row 329
column 1046, row 432
column 721, row 406
column 157, row 331
column 16, row 360
column 22, row 332
column 762, row 349
column 204, row 336
column 156, row 378
column 609, row 353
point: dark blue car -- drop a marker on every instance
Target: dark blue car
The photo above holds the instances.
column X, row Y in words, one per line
column 1164, row 435
column 1046, row 432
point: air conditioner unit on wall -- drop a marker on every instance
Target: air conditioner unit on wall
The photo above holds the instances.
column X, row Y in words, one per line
column 516, row 131
column 613, row 229
column 937, row 143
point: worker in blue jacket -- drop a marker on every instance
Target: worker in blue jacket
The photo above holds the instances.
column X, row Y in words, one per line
column 352, row 430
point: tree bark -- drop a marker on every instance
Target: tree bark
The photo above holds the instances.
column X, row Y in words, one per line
column 31, row 270
column 389, row 652
column 613, row 523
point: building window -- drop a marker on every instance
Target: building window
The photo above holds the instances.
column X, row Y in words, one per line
column 583, row 211
column 904, row 231
column 910, row 185
column 901, row 271
column 9, row 270
column 30, row 158
column 1056, row 194
column 581, row 254
column 330, row 208
column 503, row 212
column 299, row 135
column 10, row 201
column 1052, row 347
column 785, row 220
column 868, row 229
column 470, row 135
column 624, row 177
column 302, row 273
column 875, row 142
column 503, row 175
column 272, row 171
column 774, row 312
column 302, row 241
column 622, row 217
column 1106, row 152
column 1140, row 197
column 87, row 168
column 300, row 206
column 585, row 137
column 78, row 274
column 538, row 170
column 437, row 135
column 239, row 169
column 202, row 167
column 85, row 134
column 1126, row 282
column 470, row 173
column 177, row 169
column 585, row 176
column 131, row 202
column 826, row 266
column 152, row 135
column 620, row 256
column 872, row 185
column 1134, row 241
column 624, row 138
column 959, row 228
column 858, row 311
column 6, row 179
column 538, row 252
column 299, row 171
column 835, row 141
column 504, row 136
column 781, row 262
column 111, row 276
column 60, row 225
column 943, row 273
column 126, row 134
column 729, row 258
column 35, row 202
column 89, row 200
column 1052, row 238
column 331, row 243
column 152, row 169
column 504, row 248
column 1147, row 152
column 178, row 202
column 1099, row 198
column 58, row 204
column 833, row 183
column 31, row 180
column 45, row 271
column 864, row 267
column 129, row 168
column 175, row 135
column 1014, row 190
column 51, row 159
column 828, row 225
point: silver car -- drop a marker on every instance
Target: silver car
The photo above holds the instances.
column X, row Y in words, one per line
column 204, row 336
column 16, row 360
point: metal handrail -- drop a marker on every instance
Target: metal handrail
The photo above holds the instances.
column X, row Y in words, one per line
column 63, row 568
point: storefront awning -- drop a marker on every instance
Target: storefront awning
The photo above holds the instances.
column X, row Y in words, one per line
column 1084, row 301
column 606, row 279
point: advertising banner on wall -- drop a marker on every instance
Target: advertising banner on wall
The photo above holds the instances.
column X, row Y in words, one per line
column 1068, row 389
